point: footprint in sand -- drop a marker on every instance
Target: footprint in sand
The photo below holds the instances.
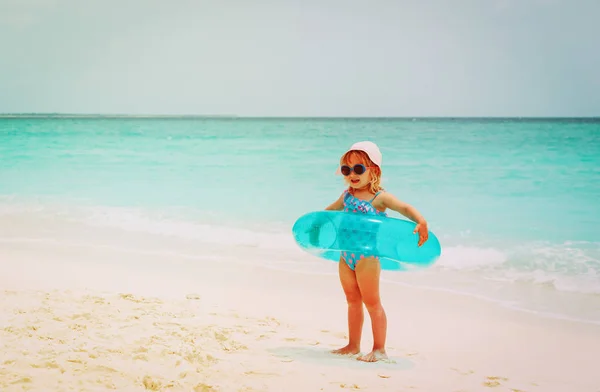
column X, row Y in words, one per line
column 78, row 327
column 152, row 385
column 104, row 369
column 463, row 372
column 204, row 388
column 81, row 315
column 269, row 321
column 47, row 365
column 233, row 346
column 340, row 335
column 493, row 381
column 24, row 380
column 258, row 373
column 133, row 298
column 140, row 357
column 347, row 386
column 95, row 299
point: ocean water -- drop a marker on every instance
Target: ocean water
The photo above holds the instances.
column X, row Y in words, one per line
column 514, row 202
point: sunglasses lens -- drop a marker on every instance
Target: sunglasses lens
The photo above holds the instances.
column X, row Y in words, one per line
column 359, row 169
column 345, row 170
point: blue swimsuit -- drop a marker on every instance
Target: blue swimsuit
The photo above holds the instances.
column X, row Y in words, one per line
column 356, row 205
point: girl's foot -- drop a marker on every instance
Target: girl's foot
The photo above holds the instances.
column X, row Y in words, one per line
column 347, row 350
column 374, row 356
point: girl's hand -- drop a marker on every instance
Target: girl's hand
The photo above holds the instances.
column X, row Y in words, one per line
column 421, row 228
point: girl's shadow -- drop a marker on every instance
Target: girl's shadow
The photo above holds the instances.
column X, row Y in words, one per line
column 322, row 356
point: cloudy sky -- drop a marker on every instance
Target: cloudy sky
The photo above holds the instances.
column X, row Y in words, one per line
column 301, row 57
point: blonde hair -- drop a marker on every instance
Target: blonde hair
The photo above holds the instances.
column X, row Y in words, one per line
column 374, row 171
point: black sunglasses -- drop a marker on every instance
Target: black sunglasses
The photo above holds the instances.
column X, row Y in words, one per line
column 358, row 169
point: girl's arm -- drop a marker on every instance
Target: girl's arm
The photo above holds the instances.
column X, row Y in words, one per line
column 337, row 205
column 391, row 202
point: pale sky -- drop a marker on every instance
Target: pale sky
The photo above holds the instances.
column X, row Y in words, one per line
column 301, row 57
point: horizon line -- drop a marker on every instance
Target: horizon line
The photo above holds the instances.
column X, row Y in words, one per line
column 234, row 116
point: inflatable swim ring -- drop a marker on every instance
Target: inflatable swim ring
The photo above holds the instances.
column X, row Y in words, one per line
column 329, row 233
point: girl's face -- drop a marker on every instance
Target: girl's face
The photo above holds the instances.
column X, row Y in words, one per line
column 357, row 181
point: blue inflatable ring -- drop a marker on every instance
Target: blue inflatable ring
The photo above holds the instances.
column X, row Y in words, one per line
column 329, row 233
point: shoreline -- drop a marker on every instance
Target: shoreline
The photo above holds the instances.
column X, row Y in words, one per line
column 42, row 228
column 501, row 303
column 184, row 249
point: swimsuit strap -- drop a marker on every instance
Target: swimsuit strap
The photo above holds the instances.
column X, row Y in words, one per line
column 371, row 201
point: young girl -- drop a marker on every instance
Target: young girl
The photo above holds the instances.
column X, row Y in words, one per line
column 359, row 274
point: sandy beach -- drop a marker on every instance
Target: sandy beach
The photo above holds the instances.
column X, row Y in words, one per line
column 86, row 316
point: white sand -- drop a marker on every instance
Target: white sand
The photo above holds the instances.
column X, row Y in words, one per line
column 93, row 319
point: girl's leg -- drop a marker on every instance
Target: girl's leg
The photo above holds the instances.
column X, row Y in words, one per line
column 368, row 271
column 355, row 309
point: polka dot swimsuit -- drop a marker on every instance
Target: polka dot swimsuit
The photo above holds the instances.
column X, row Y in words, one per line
column 356, row 205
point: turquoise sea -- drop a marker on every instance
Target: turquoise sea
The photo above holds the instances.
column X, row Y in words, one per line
column 514, row 202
